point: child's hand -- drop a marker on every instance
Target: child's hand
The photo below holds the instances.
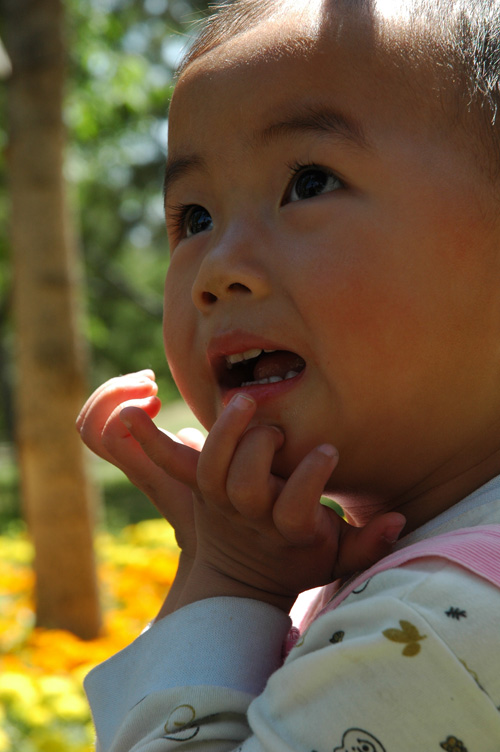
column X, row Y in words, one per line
column 257, row 535
column 102, row 430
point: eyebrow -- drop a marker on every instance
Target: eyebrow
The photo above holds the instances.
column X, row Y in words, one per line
column 175, row 169
column 321, row 120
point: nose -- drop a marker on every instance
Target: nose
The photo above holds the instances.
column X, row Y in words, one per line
column 233, row 267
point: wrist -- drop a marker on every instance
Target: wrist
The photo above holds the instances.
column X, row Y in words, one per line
column 175, row 591
column 205, row 581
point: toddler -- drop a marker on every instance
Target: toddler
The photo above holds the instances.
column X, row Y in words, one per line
column 332, row 317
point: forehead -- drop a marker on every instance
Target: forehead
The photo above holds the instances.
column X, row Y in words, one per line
column 308, row 56
column 340, row 61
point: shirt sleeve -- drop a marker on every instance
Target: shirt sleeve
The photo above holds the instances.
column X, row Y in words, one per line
column 208, row 659
column 377, row 674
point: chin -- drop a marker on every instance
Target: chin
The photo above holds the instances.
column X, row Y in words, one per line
column 288, row 458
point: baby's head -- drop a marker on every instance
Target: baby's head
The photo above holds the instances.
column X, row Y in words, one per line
column 331, row 197
column 458, row 39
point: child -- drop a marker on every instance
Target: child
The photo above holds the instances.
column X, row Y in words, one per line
column 333, row 292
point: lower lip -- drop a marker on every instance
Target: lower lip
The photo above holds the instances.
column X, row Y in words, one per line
column 262, row 393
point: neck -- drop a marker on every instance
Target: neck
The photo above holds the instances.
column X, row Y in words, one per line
column 436, row 493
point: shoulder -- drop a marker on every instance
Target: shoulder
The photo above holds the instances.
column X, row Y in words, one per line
column 410, row 658
column 430, row 608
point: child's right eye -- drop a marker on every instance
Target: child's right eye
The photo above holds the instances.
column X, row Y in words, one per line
column 189, row 220
column 197, row 219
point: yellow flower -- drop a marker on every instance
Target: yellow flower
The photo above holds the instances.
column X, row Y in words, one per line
column 5, row 745
column 42, row 703
column 17, row 687
column 71, row 707
column 34, row 715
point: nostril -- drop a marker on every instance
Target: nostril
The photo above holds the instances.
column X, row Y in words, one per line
column 238, row 287
column 208, row 297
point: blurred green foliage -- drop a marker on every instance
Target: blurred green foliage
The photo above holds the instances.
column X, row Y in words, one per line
column 121, row 60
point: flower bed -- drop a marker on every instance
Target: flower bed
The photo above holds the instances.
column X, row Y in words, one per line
column 42, row 703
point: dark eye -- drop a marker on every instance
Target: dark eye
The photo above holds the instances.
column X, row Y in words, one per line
column 312, row 181
column 197, row 220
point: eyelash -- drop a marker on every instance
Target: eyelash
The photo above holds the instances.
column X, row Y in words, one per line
column 177, row 214
column 297, row 167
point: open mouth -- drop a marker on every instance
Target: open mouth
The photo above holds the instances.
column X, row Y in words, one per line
column 258, row 367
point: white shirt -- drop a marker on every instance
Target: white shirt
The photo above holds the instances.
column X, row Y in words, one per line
column 408, row 663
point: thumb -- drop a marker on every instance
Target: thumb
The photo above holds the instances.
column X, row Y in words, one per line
column 165, row 450
column 361, row 547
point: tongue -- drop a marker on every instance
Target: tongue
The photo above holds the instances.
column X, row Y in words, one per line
column 277, row 364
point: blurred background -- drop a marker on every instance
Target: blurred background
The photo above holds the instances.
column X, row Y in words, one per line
column 84, row 93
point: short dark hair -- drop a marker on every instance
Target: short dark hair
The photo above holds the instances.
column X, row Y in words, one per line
column 464, row 41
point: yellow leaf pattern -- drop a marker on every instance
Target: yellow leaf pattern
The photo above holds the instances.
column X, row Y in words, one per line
column 452, row 744
column 408, row 634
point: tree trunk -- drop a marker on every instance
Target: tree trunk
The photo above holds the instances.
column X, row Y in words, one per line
column 50, row 359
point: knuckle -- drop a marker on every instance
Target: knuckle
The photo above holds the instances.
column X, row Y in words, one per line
column 207, row 480
column 242, row 493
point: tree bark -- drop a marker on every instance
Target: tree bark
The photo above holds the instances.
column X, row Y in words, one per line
column 50, row 357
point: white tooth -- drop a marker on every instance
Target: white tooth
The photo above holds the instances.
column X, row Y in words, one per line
column 236, row 358
column 239, row 357
column 291, row 374
column 249, row 354
column 270, row 380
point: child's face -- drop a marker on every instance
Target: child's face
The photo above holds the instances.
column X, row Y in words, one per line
column 331, row 219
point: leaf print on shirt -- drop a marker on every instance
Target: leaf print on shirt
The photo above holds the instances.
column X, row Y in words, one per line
column 452, row 744
column 337, row 637
column 456, row 613
column 408, row 634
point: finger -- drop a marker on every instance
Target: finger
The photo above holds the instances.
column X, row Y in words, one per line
column 172, row 499
column 220, row 446
column 122, row 450
column 104, row 433
column 298, row 513
column 105, row 400
column 164, row 450
column 192, row 437
column 250, row 485
column 361, row 547
column 110, row 386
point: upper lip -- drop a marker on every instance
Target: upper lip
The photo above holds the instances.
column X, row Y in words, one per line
column 237, row 342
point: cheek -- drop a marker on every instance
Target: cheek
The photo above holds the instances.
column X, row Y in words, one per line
column 178, row 325
column 175, row 308
column 183, row 348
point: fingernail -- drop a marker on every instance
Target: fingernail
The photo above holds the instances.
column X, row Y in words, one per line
column 328, row 450
column 242, row 402
column 392, row 533
column 278, row 430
